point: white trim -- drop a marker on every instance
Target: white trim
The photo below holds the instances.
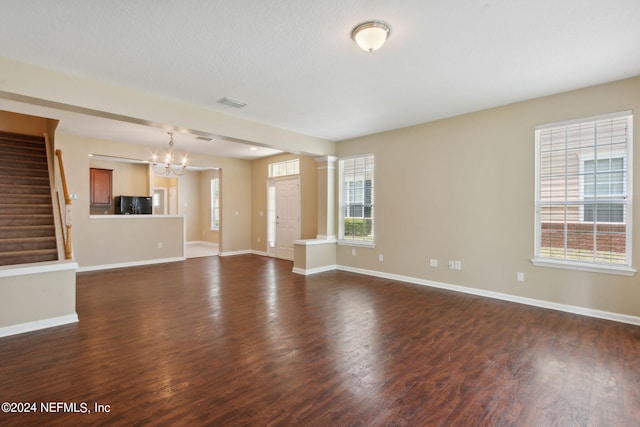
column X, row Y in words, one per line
column 361, row 243
column 261, row 253
column 314, row 270
column 314, row 242
column 201, row 242
column 623, row 270
column 585, row 119
column 137, row 216
column 129, row 264
column 212, row 206
column 244, row 252
column 331, row 238
column 36, row 325
column 36, row 268
column 607, row 315
column 330, row 160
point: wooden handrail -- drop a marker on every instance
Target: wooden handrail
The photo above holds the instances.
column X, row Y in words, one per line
column 67, row 201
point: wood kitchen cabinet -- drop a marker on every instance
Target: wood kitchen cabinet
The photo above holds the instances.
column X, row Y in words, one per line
column 101, row 186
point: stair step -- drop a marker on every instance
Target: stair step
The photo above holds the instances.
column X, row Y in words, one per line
column 27, row 244
column 28, row 257
column 23, row 180
column 26, row 146
column 22, row 220
column 27, row 232
column 8, row 156
column 18, row 137
column 24, row 189
column 38, row 199
column 24, row 231
column 21, row 171
column 25, row 208
column 28, row 163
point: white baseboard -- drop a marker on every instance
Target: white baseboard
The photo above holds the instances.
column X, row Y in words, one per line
column 261, row 253
column 245, row 252
column 616, row 317
column 201, row 242
column 305, row 272
column 36, row 325
column 129, row 264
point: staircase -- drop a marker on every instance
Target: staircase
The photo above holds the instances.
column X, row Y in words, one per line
column 27, row 231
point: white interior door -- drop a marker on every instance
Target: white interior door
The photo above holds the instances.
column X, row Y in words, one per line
column 287, row 216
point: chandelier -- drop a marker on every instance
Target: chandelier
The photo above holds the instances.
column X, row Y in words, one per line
column 169, row 166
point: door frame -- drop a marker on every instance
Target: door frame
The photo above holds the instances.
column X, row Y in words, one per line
column 272, row 198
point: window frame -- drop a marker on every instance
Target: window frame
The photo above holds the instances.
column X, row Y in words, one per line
column 284, row 168
column 627, row 155
column 342, row 206
column 215, row 204
column 584, row 196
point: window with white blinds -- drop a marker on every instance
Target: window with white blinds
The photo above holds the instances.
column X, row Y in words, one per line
column 289, row 167
column 583, row 192
column 215, row 204
column 356, row 181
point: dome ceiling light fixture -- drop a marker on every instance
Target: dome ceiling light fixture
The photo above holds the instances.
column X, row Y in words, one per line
column 371, row 35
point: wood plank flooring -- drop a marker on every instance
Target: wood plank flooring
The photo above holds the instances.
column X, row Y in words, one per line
column 243, row 341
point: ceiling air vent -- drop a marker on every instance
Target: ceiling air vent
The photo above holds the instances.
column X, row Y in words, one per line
column 204, row 138
column 232, row 102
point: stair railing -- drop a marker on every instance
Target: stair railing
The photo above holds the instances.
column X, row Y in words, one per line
column 65, row 215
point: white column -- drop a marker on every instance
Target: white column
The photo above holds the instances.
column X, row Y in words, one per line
column 326, row 197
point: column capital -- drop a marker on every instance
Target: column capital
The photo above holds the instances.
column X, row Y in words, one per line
column 326, row 159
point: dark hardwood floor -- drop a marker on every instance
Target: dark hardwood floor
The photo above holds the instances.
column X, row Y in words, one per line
column 243, row 341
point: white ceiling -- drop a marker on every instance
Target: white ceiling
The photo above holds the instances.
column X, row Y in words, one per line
column 293, row 61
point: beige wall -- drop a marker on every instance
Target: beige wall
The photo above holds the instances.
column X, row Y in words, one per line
column 308, row 197
column 189, row 204
column 96, row 242
column 30, row 296
column 463, row 189
column 44, row 86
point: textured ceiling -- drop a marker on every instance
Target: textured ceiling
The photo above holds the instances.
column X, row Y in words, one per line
column 293, row 61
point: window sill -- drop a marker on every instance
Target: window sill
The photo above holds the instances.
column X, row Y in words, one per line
column 356, row 243
column 622, row 270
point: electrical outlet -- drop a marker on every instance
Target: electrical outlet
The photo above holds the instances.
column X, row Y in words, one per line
column 433, row 262
column 520, row 276
column 451, row 265
column 380, row 257
column 458, row 265
column 159, row 245
column 353, row 251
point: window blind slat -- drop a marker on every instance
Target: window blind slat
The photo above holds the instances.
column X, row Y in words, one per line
column 582, row 204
